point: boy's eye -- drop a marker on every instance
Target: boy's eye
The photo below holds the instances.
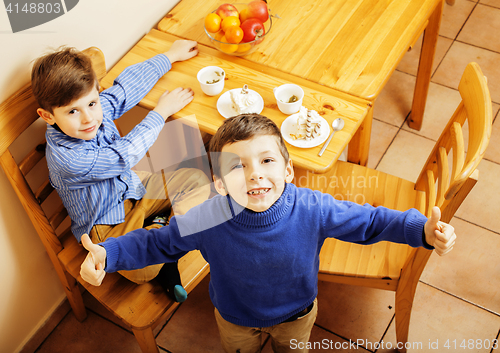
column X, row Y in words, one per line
column 236, row 166
column 72, row 111
column 267, row 160
column 92, row 104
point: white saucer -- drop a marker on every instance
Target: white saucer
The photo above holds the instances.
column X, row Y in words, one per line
column 289, row 125
column 224, row 104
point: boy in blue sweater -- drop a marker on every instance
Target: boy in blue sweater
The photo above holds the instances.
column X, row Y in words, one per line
column 262, row 237
column 90, row 163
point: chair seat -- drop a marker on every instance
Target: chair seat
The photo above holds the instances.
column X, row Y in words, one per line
column 137, row 305
column 380, row 262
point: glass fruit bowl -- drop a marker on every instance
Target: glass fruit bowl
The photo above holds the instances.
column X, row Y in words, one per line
column 240, row 48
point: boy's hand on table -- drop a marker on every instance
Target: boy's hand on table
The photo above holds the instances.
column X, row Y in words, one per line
column 92, row 269
column 171, row 102
column 182, row 50
column 438, row 234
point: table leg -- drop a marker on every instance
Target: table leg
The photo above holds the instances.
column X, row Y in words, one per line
column 424, row 73
column 360, row 143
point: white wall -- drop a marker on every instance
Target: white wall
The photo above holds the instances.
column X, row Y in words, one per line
column 30, row 290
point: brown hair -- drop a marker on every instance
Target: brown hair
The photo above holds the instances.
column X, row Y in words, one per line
column 240, row 128
column 60, row 77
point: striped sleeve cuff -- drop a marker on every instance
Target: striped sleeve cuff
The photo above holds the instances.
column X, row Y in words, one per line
column 154, row 120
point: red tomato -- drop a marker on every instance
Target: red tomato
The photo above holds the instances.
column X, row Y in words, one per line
column 252, row 29
column 258, row 9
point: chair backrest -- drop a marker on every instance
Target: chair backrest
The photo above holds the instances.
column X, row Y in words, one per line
column 46, row 212
column 444, row 181
column 446, row 184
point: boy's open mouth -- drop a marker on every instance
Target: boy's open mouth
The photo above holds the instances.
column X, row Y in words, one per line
column 258, row 191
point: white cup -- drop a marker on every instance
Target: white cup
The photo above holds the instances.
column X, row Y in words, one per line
column 211, row 80
column 283, row 95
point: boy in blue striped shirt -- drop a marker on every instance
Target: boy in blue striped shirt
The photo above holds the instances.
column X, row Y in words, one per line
column 90, row 163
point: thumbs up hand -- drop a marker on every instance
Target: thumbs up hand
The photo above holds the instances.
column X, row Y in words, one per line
column 92, row 269
column 438, row 234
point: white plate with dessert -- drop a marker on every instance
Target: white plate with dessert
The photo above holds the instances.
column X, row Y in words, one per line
column 305, row 129
column 240, row 101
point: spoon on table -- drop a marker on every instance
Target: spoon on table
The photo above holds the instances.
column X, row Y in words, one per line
column 337, row 125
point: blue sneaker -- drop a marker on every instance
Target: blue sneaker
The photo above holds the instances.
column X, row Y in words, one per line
column 180, row 293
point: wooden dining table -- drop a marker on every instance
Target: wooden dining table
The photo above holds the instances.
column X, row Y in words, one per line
column 202, row 112
column 351, row 46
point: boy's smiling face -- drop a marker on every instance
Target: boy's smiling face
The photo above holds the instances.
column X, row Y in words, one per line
column 254, row 172
column 79, row 119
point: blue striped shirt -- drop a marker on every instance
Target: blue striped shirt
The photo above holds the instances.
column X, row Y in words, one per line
column 93, row 177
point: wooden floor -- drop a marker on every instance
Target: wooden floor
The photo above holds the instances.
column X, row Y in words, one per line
column 458, row 298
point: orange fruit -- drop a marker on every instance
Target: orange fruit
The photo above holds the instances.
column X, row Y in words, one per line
column 244, row 47
column 229, row 22
column 212, row 22
column 234, row 34
column 227, row 47
column 218, row 36
column 244, row 15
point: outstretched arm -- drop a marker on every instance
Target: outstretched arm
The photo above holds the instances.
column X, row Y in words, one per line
column 137, row 80
column 136, row 249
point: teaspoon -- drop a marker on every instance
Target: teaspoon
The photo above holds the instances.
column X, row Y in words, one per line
column 337, row 125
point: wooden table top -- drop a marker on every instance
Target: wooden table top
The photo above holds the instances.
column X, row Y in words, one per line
column 326, row 101
column 350, row 45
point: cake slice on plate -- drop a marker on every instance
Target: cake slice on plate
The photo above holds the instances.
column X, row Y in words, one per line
column 308, row 125
column 244, row 101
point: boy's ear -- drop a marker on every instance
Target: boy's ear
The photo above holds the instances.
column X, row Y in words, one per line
column 289, row 173
column 45, row 115
column 219, row 186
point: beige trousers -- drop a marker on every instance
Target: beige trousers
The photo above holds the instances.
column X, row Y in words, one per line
column 186, row 188
column 286, row 337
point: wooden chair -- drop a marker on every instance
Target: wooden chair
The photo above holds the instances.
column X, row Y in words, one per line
column 398, row 267
column 139, row 307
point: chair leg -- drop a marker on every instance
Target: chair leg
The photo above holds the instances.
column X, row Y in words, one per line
column 404, row 303
column 75, row 299
column 146, row 340
column 405, row 293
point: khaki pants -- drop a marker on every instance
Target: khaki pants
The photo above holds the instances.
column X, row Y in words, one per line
column 286, row 337
column 186, row 189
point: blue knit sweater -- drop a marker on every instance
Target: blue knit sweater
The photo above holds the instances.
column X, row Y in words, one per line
column 264, row 266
